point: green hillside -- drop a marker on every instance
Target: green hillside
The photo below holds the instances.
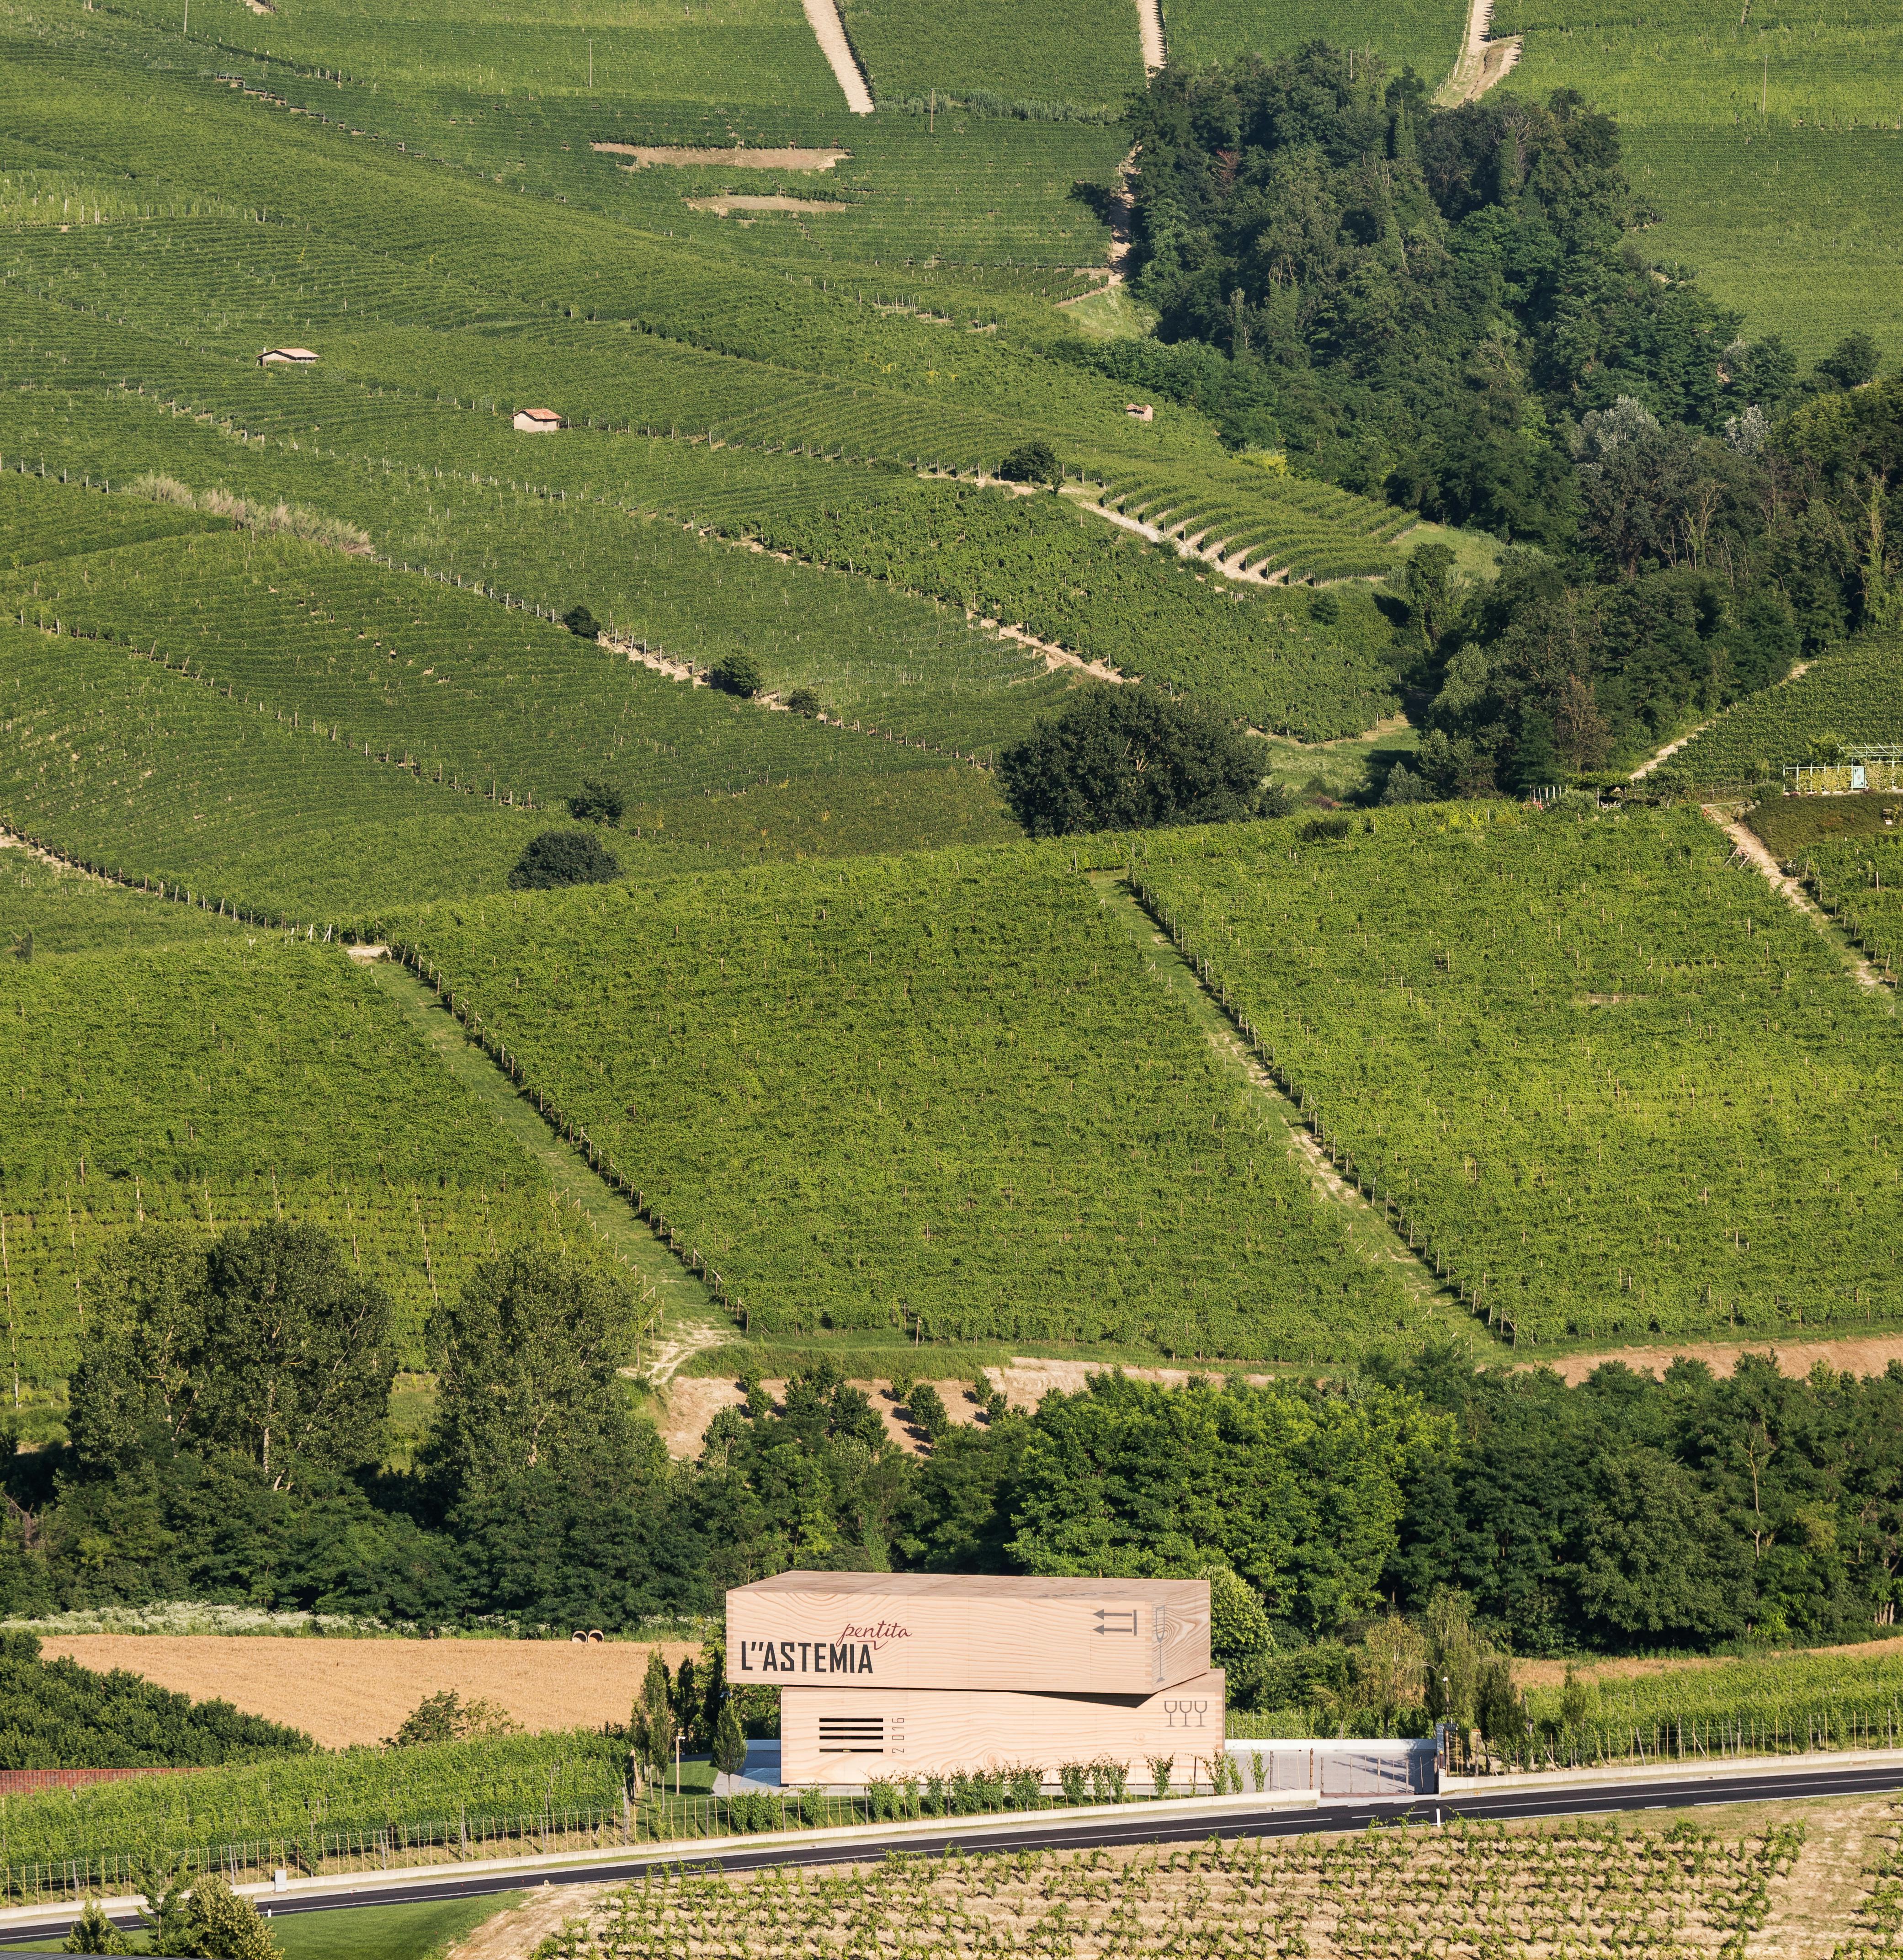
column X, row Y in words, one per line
column 1854, row 695
column 163, row 1065
column 1767, row 141
column 939, row 1093
column 1587, row 1060
column 1424, row 35
column 1078, row 51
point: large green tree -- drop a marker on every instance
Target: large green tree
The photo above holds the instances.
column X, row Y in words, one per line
column 261, row 1345
column 527, row 1357
column 1133, row 759
column 1298, row 1490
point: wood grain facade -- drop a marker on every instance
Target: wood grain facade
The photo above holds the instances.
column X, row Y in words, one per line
column 1126, row 1637
column 848, row 1735
column 893, row 1675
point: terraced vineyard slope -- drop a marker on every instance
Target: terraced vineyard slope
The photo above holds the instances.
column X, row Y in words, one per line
column 163, row 1065
column 1587, row 1061
column 937, row 1094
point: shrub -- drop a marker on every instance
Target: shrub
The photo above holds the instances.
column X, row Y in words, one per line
column 806, row 701
column 1329, row 829
column 559, row 857
column 223, row 1927
column 1133, row 758
column 597, row 802
column 1033, row 462
column 447, row 1717
column 581, row 622
column 94, row 1933
column 1325, row 608
column 739, row 673
column 927, row 1410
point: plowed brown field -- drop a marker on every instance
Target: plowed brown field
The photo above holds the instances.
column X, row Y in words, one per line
column 343, row 1690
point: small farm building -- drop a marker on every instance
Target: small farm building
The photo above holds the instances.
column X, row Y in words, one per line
column 287, row 357
column 538, row 421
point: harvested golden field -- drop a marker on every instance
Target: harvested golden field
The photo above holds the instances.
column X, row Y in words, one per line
column 346, row 1691
column 1574, row 1887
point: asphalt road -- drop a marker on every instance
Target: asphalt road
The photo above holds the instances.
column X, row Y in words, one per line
column 1572, row 1800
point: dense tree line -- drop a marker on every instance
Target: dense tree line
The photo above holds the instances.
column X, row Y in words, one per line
column 1453, row 308
column 57, row 1715
column 1623, row 1514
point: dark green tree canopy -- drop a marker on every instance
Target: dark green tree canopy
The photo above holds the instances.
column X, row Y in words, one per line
column 739, row 673
column 581, row 622
column 1032, row 462
column 559, row 857
column 526, row 1358
column 1132, row 758
column 262, row 1347
column 597, row 802
column 1333, row 258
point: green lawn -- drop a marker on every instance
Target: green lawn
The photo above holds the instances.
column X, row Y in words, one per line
column 420, row 1932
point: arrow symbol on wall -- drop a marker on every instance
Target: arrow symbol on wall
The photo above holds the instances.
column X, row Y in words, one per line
column 1108, row 1622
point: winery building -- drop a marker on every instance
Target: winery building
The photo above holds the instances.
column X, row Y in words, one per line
column 893, row 1676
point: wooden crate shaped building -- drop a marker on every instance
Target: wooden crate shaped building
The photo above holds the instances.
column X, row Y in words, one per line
column 892, row 1675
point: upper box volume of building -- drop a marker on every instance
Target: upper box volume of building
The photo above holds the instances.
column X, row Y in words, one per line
column 918, row 1629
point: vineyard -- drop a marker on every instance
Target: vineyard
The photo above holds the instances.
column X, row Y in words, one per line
column 936, row 1094
column 470, row 693
column 1854, row 694
column 1466, row 1890
column 1779, row 1703
column 299, row 1797
column 215, row 1079
column 1765, row 141
column 1422, row 34
column 1583, row 1064
column 157, row 776
column 1860, row 883
column 1084, row 52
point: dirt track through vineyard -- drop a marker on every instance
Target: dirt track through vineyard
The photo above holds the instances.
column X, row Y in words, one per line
column 1368, row 1231
column 822, row 16
column 1753, row 850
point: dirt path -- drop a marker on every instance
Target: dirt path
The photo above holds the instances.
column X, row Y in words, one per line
column 522, row 1925
column 1753, row 849
column 1482, row 62
column 1811, row 1905
column 1671, row 749
column 722, row 207
column 822, row 16
column 1149, row 16
column 1858, row 1354
column 737, row 158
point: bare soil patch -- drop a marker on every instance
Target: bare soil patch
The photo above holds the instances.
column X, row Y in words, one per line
column 721, row 206
column 735, row 158
column 345, row 1692
column 695, row 1401
column 1811, row 1905
column 1866, row 1355
column 517, row 1930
